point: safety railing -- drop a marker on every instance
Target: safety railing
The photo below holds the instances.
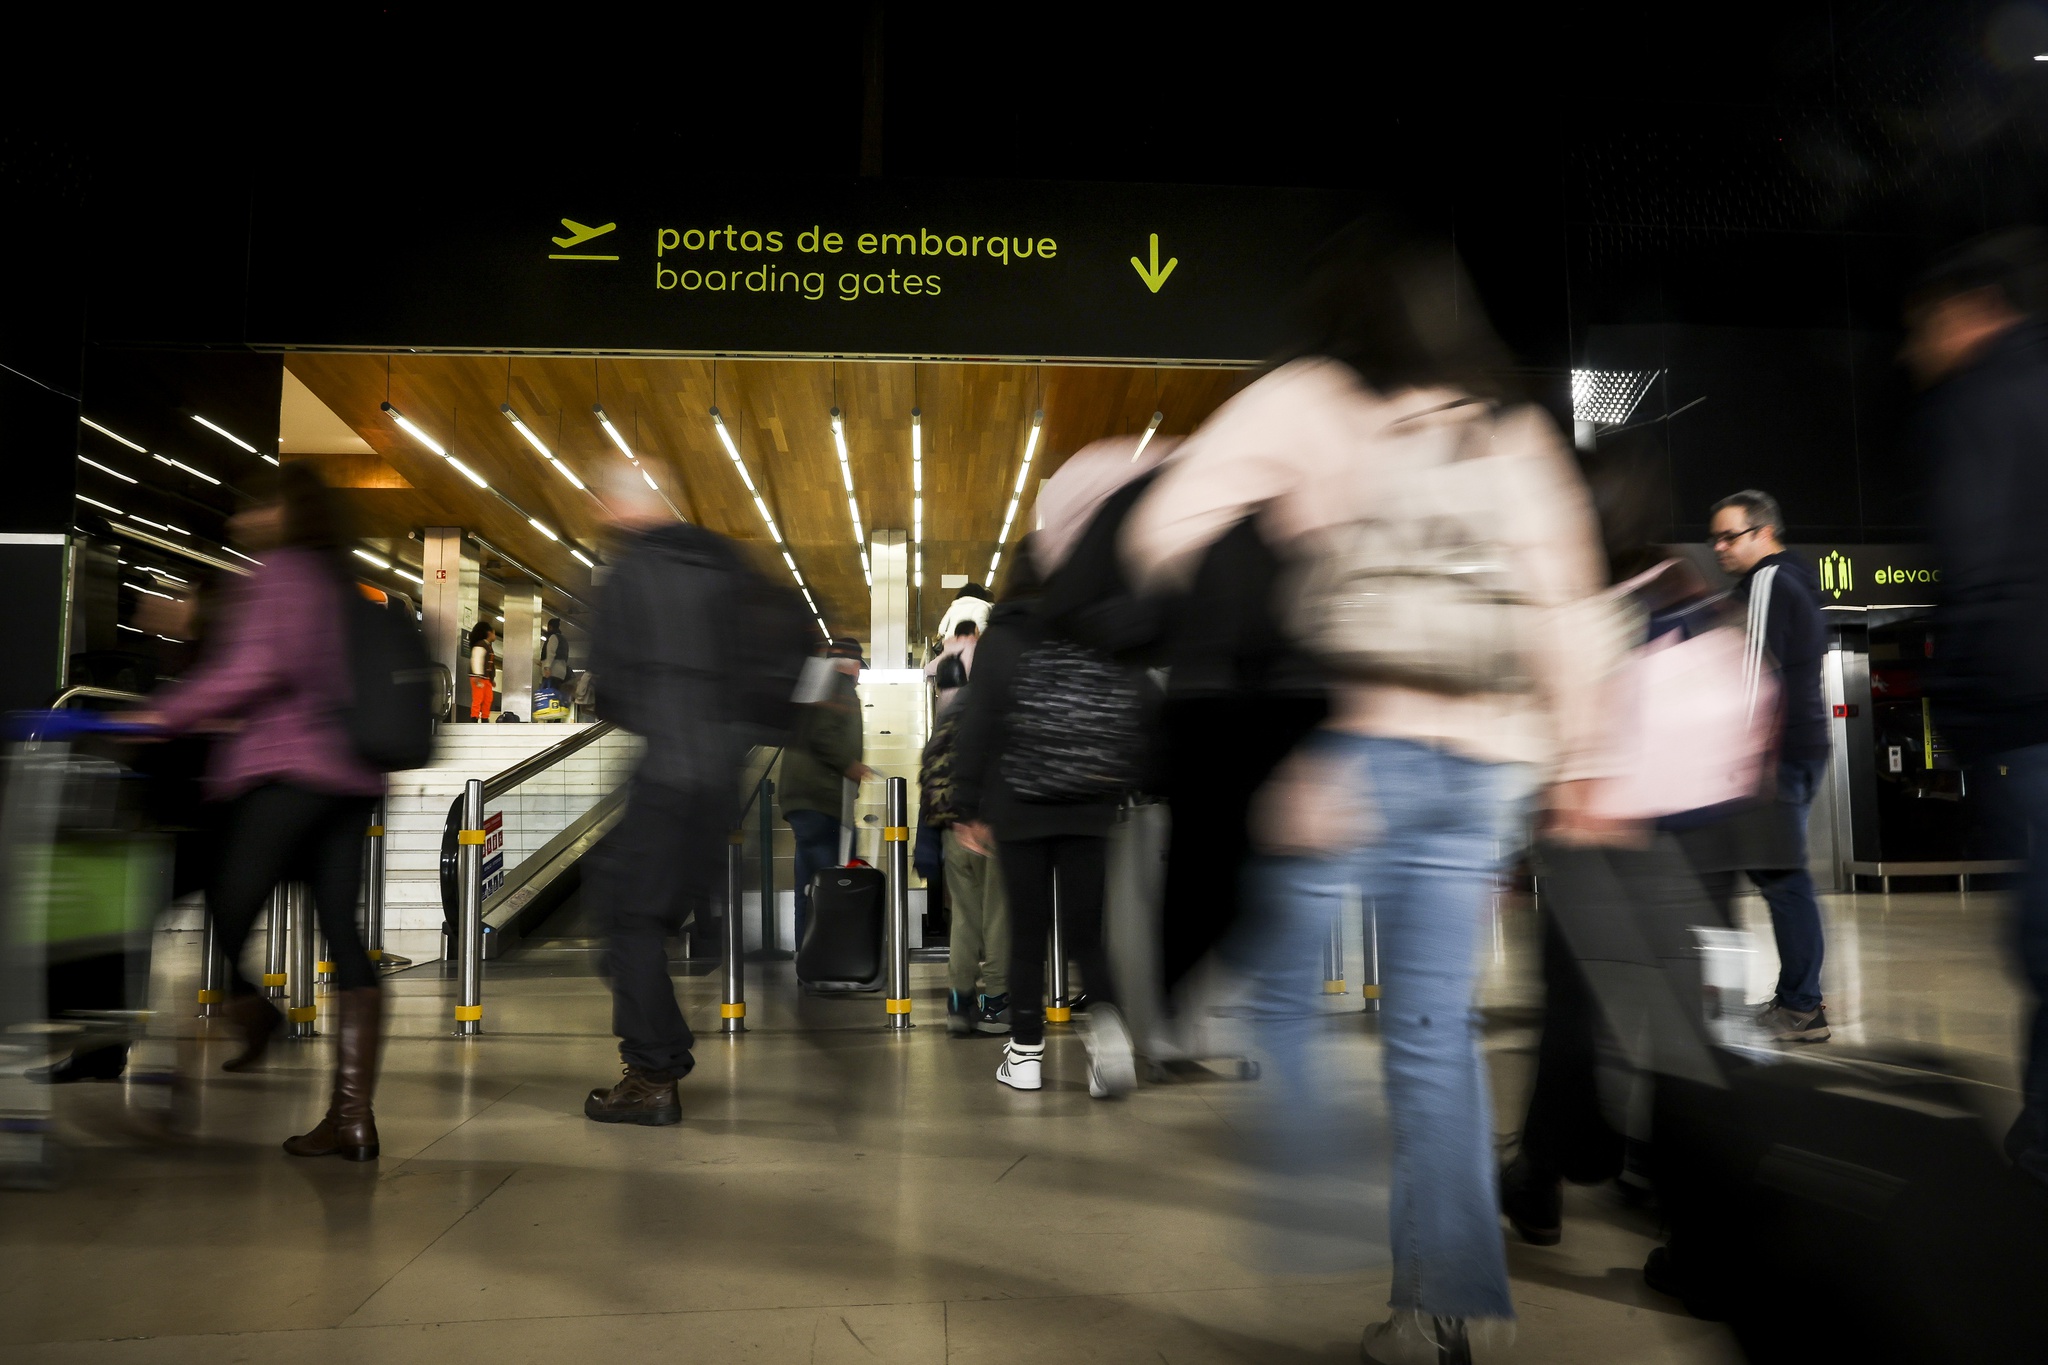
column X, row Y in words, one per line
column 506, row 827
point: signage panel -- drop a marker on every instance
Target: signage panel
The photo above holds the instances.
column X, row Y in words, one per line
column 954, row 269
column 1874, row 575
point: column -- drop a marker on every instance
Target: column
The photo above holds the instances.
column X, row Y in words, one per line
column 521, row 636
column 449, row 604
column 889, row 600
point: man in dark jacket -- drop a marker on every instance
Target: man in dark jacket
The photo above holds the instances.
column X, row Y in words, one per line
column 1978, row 341
column 656, row 642
column 1747, row 533
column 824, row 755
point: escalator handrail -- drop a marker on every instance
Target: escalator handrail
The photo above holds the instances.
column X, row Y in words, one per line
column 535, row 764
column 94, row 694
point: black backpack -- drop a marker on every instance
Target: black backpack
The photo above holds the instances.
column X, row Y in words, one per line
column 391, row 719
column 1076, row 726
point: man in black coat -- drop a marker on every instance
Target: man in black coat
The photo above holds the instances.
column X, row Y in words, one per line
column 662, row 652
column 1747, row 534
column 1978, row 341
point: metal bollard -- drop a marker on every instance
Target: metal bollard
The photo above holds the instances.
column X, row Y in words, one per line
column 896, row 930
column 732, row 1006
column 770, row 926
column 1333, row 956
column 469, row 1003
column 213, row 976
column 274, row 946
column 323, row 970
column 303, row 1012
column 373, row 886
column 1371, row 988
column 1058, row 1010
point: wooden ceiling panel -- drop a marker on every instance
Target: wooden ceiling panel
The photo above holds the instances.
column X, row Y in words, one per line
column 975, row 419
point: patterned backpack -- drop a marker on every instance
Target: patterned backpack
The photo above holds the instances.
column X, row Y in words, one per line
column 1076, row 726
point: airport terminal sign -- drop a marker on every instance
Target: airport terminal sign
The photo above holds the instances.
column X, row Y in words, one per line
column 954, row 269
column 1863, row 576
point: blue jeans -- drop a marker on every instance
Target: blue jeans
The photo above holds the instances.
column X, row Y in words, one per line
column 1427, row 875
column 2026, row 789
column 817, row 848
column 1795, row 910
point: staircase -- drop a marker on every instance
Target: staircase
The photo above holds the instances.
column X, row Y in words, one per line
column 415, row 812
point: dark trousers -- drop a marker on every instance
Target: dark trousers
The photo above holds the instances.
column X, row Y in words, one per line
column 817, row 848
column 2026, row 788
column 660, row 865
column 1795, row 909
column 280, row 833
column 1078, row 863
column 1566, row 1135
column 1218, row 751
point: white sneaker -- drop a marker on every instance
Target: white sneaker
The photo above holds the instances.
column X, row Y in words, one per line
column 1111, row 1069
column 1021, row 1066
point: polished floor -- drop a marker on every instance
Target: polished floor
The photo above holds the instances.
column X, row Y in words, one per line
column 835, row 1193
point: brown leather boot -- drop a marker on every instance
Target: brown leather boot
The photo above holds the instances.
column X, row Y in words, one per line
column 647, row 1097
column 350, row 1130
column 258, row 1022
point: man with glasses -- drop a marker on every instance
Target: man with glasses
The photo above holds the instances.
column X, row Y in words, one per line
column 1747, row 535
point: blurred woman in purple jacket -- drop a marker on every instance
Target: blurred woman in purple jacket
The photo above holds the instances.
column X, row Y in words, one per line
column 298, row 800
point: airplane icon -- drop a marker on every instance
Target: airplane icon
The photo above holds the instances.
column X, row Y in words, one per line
column 579, row 234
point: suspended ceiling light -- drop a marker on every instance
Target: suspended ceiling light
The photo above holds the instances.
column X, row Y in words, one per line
column 268, row 459
column 95, row 502
column 104, row 469
column 541, row 527
column 114, row 435
column 613, row 432
column 650, row 479
column 179, row 529
column 581, row 558
column 1607, row 397
column 239, row 555
column 466, row 472
column 406, row 573
column 860, row 535
column 406, row 425
column 916, row 498
column 732, row 449
column 151, row 591
column 180, row 464
column 534, row 440
column 1017, row 493
column 223, row 431
column 1151, row 428
column 379, row 560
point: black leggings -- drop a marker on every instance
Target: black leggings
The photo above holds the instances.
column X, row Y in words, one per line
column 281, row 833
column 1030, row 866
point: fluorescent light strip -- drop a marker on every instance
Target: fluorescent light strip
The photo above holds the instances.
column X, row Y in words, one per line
column 151, row 591
column 180, row 464
column 95, row 502
column 168, row 527
column 1017, row 493
column 114, row 435
column 268, row 459
column 105, row 470
column 535, row 441
column 537, row 525
column 239, row 555
column 613, row 432
column 1145, row 440
column 216, row 427
column 406, row 425
column 860, row 535
column 581, row 558
column 379, row 560
column 917, row 498
column 406, row 573
column 774, row 531
column 133, row 630
column 466, row 472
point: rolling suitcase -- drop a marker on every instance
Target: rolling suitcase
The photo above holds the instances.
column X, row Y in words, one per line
column 842, row 947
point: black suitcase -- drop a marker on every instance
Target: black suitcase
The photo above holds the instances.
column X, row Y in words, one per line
column 842, row 947
column 1853, row 1208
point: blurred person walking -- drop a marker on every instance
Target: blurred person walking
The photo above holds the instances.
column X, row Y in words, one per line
column 299, row 796
column 959, row 645
column 1048, row 744
column 1978, row 343
column 1445, row 555
column 1768, row 842
column 823, row 755
column 699, row 654
column 483, row 667
column 554, row 656
column 978, row 947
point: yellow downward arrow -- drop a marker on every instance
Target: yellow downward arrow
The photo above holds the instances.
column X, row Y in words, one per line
column 1154, row 277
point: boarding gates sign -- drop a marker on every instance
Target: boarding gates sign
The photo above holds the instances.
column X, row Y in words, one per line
column 960, row 270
